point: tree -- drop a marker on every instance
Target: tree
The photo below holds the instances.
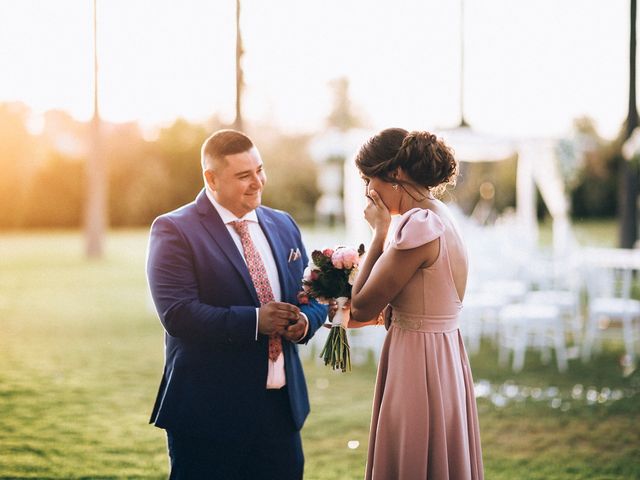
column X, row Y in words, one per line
column 17, row 162
column 55, row 196
column 139, row 177
column 594, row 185
column 291, row 173
column 178, row 153
column 342, row 115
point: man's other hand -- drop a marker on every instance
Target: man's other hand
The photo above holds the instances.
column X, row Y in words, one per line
column 275, row 317
column 296, row 330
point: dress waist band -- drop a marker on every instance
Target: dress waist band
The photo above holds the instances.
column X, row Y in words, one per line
column 425, row 323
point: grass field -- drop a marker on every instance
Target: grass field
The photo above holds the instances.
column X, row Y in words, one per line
column 81, row 356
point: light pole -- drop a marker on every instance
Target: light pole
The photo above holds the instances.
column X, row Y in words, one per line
column 463, row 122
column 238, row 123
column 95, row 207
column 628, row 172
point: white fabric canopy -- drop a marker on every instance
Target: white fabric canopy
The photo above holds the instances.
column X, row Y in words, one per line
column 537, row 165
column 471, row 146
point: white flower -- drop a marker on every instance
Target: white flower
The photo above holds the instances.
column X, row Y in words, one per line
column 306, row 275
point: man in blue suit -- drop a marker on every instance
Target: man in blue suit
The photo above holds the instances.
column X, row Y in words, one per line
column 224, row 273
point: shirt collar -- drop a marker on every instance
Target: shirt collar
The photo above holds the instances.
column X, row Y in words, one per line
column 226, row 215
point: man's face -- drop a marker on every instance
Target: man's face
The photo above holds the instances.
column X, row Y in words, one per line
column 238, row 181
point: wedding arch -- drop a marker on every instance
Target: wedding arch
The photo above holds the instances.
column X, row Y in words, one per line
column 536, row 167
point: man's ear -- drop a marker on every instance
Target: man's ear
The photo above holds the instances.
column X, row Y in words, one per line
column 211, row 179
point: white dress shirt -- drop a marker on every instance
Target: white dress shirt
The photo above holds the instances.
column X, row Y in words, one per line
column 276, row 376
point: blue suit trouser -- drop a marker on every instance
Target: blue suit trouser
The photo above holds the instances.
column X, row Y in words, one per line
column 273, row 452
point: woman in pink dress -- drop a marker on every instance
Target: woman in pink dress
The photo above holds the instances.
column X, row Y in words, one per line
column 424, row 422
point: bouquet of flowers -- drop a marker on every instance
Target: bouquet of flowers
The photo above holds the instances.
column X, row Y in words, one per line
column 330, row 274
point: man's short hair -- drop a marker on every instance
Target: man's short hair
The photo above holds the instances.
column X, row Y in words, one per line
column 221, row 143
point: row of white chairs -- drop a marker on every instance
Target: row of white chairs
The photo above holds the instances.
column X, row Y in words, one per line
column 586, row 298
column 567, row 306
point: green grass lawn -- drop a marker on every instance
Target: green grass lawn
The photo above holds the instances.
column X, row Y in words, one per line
column 81, row 356
column 591, row 232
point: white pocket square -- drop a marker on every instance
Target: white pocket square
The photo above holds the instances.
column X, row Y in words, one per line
column 294, row 254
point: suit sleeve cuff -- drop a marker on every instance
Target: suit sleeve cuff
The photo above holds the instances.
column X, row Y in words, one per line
column 306, row 328
column 257, row 320
column 241, row 324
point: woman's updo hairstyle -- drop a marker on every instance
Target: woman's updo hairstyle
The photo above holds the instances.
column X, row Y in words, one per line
column 425, row 159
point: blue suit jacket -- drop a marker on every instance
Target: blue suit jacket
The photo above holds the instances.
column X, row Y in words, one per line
column 215, row 371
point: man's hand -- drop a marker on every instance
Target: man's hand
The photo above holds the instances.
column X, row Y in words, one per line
column 296, row 330
column 275, row 317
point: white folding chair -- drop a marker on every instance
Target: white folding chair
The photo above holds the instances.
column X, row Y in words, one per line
column 366, row 342
column 479, row 317
column 609, row 306
column 526, row 325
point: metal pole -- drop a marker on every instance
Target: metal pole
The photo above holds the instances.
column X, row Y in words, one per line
column 95, row 209
column 238, row 123
column 463, row 122
column 628, row 182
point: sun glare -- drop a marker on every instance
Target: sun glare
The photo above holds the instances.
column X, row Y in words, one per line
column 164, row 59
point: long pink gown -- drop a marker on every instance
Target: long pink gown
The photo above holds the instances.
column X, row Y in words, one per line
column 424, row 423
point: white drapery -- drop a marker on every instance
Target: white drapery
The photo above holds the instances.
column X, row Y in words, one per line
column 537, row 166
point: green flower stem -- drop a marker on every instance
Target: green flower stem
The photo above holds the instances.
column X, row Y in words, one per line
column 336, row 351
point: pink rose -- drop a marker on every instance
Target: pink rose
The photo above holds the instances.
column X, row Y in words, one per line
column 345, row 257
column 336, row 259
column 327, row 252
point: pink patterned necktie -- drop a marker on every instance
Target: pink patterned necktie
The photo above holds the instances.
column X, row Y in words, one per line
column 259, row 278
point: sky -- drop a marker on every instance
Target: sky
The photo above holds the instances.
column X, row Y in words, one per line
column 530, row 68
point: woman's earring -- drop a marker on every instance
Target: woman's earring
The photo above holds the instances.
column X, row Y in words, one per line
column 395, row 186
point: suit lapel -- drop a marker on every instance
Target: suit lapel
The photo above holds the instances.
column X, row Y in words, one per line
column 273, row 237
column 212, row 222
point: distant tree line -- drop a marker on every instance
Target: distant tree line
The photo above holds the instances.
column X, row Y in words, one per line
column 42, row 175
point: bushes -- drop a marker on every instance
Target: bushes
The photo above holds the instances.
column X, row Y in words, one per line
column 55, row 194
column 42, row 176
column 42, row 179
